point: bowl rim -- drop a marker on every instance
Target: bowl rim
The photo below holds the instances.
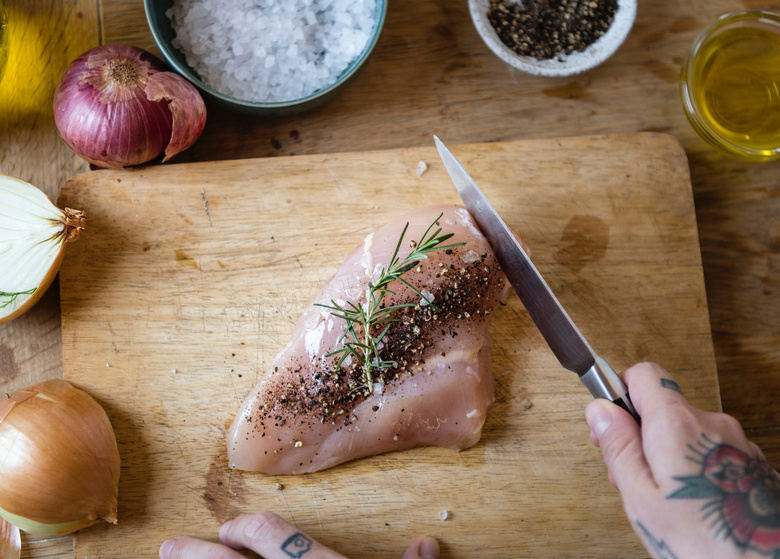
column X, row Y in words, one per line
column 167, row 50
column 575, row 63
column 691, row 107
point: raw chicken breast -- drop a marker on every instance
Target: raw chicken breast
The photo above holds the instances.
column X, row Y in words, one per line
column 305, row 416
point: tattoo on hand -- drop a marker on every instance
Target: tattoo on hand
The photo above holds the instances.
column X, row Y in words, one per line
column 741, row 493
column 297, row 545
column 671, row 385
column 659, row 546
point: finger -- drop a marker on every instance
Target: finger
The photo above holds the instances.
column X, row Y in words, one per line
column 669, row 423
column 272, row 537
column 676, row 436
column 653, row 390
column 618, row 436
column 424, row 547
column 187, row 547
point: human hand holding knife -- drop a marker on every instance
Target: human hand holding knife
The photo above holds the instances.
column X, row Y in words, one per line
column 567, row 343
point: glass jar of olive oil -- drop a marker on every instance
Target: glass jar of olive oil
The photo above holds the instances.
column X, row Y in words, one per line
column 730, row 85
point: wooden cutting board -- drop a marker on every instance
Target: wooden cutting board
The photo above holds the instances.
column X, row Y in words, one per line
column 190, row 277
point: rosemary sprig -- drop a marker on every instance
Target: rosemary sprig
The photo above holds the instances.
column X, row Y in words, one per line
column 363, row 320
column 12, row 297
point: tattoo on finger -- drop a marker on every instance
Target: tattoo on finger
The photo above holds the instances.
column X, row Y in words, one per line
column 741, row 495
column 671, row 385
column 297, row 545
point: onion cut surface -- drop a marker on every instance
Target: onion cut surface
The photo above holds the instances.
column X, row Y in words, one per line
column 33, row 234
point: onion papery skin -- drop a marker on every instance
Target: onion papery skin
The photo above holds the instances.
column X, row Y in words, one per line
column 33, row 235
column 59, row 461
column 40, row 529
column 118, row 106
column 10, row 541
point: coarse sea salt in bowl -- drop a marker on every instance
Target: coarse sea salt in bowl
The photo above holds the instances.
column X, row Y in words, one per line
column 586, row 52
column 267, row 57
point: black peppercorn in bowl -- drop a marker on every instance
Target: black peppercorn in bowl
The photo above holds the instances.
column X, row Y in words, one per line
column 553, row 37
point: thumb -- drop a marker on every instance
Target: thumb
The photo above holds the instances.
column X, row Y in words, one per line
column 424, row 547
column 619, row 437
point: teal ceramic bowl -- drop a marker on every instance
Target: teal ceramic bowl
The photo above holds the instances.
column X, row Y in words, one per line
column 163, row 34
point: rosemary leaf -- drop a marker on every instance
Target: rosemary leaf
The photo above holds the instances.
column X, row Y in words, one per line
column 362, row 320
column 12, row 297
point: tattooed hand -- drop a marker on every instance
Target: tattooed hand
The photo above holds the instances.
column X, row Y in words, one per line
column 692, row 484
column 272, row 538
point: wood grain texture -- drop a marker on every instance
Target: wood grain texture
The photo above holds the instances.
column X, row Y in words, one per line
column 431, row 73
column 45, row 35
column 199, row 271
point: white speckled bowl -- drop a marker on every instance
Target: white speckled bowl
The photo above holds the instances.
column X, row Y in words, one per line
column 573, row 63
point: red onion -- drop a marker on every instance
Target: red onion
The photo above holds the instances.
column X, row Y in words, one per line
column 118, row 105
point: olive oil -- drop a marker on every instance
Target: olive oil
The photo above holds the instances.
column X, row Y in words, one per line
column 733, row 85
column 3, row 40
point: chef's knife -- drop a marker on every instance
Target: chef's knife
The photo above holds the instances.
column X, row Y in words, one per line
column 567, row 343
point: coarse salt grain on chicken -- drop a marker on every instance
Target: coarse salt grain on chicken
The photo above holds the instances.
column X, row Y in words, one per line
column 305, row 415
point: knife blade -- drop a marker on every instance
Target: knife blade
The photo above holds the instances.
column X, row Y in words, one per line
column 564, row 338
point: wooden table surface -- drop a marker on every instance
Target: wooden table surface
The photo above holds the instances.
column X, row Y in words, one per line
column 432, row 74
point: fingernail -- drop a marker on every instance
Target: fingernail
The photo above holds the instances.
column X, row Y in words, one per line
column 598, row 417
column 429, row 548
column 223, row 530
column 165, row 549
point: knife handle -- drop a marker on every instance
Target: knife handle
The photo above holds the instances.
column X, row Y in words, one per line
column 603, row 382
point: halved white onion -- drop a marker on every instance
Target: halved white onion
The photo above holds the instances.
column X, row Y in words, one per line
column 33, row 234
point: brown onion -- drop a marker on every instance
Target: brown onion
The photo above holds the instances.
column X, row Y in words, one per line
column 59, row 461
column 118, row 105
column 10, row 541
